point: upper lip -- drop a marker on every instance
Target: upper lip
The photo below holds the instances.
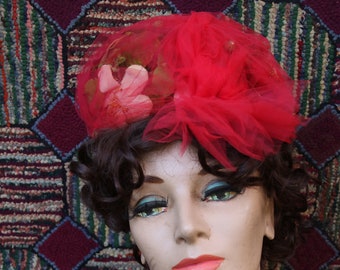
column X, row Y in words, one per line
column 194, row 261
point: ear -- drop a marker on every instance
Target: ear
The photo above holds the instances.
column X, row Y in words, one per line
column 269, row 219
column 142, row 259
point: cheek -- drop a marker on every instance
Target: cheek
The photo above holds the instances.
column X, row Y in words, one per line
column 141, row 233
column 239, row 231
column 148, row 236
column 251, row 231
column 240, row 225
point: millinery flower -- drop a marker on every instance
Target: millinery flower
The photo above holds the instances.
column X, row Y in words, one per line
column 110, row 103
column 124, row 101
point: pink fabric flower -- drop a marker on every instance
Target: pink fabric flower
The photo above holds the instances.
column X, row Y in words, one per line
column 124, row 100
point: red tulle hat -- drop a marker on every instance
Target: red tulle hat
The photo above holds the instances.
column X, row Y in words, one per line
column 200, row 75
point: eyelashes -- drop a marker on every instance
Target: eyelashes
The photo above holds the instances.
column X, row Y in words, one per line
column 153, row 205
column 149, row 206
column 219, row 191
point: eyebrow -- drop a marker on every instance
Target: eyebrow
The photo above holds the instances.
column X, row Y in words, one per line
column 153, row 179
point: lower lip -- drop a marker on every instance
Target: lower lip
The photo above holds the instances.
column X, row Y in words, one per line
column 206, row 265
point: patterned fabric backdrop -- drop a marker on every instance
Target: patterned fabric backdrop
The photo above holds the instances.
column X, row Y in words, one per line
column 43, row 224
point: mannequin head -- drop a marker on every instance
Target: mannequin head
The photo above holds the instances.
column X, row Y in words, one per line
column 190, row 118
column 120, row 169
column 191, row 213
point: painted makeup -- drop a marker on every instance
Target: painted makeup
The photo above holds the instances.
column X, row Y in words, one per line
column 182, row 218
column 206, row 262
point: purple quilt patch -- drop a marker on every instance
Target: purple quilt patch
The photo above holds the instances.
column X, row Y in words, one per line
column 320, row 139
column 327, row 12
column 181, row 6
column 67, row 246
column 315, row 252
column 61, row 126
column 63, row 13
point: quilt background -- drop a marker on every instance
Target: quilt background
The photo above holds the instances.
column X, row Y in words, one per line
column 43, row 224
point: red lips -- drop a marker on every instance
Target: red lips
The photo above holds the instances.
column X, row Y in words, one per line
column 206, row 262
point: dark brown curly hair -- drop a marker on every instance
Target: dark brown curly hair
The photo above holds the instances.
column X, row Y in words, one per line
column 110, row 162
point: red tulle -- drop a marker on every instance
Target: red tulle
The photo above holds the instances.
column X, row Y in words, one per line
column 208, row 77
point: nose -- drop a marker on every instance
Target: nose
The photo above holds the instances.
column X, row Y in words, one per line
column 190, row 223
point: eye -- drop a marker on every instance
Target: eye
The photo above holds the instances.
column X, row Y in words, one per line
column 219, row 191
column 149, row 206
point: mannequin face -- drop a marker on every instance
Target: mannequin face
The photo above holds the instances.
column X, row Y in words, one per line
column 182, row 216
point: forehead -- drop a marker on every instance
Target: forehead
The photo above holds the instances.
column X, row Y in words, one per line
column 171, row 160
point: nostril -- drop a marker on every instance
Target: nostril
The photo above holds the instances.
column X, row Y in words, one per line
column 190, row 231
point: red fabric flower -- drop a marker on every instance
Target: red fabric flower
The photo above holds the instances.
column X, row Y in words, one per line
column 113, row 104
column 124, row 99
